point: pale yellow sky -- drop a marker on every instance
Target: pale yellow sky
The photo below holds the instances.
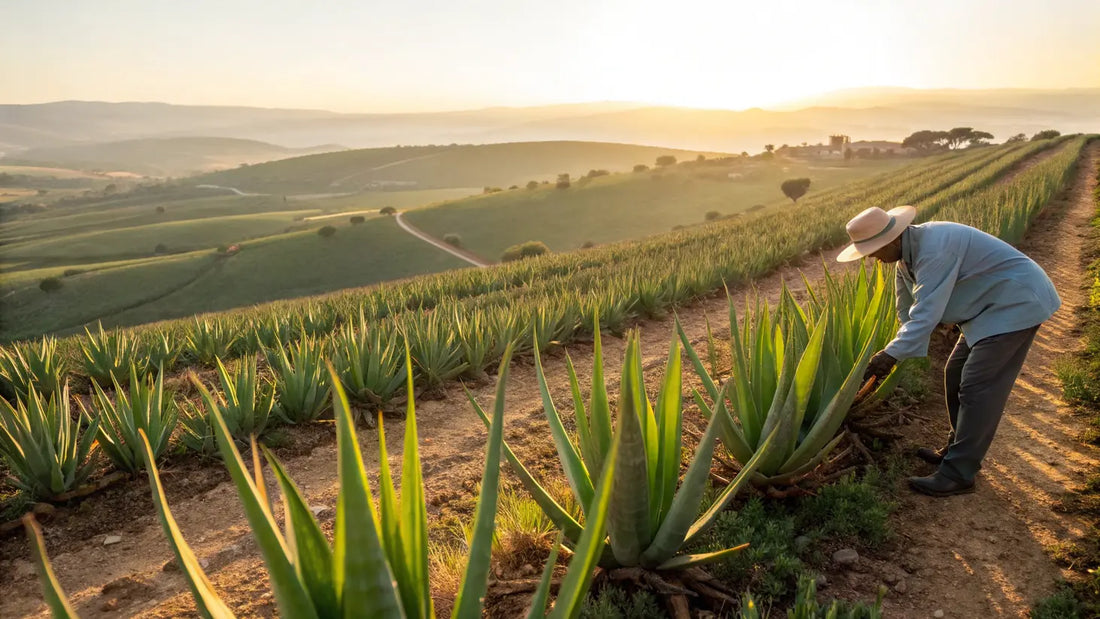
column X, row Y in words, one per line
column 416, row 55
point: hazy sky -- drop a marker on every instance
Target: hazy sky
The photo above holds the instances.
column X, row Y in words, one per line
column 416, row 55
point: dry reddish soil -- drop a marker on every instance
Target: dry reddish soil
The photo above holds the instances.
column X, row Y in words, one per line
column 972, row 556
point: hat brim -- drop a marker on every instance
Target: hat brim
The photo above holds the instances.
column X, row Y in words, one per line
column 903, row 215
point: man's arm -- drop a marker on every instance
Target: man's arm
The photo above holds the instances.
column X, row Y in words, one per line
column 935, row 280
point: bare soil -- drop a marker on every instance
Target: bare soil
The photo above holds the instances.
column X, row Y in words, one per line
column 972, row 556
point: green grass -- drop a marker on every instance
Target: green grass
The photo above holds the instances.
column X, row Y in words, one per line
column 499, row 165
column 300, row 264
column 29, row 311
column 138, row 241
column 625, row 206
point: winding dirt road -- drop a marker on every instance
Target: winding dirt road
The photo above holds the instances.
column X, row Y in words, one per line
column 447, row 247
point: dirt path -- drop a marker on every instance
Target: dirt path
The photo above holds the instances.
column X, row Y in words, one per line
column 1030, row 162
column 461, row 254
column 973, row 556
column 986, row 554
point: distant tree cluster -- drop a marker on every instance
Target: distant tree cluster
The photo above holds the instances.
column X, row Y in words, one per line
column 563, row 181
column 532, row 185
column 1019, row 137
column 1046, row 134
column 357, row 219
column 488, row 190
column 50, row 284
column 596, row 173
column 640, row 167
column 666, row 160
column 795, row 188
column 326, row 231
column 530, row 249
column 452, row 239
column 388, row 210
column 926, row 140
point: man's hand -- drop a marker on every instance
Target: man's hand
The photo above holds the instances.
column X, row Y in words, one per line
column 879, row 366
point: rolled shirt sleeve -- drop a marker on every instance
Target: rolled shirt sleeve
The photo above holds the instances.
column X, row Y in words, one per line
column 935, row 280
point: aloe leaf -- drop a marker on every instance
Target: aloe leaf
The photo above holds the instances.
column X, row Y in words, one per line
column 743, row 476
column 475, row 580
column 599, row 409
column 56, row 599
column 697, row 363
column 670, row 425
column 290, row 594
column 575, row 472
column 832, row 417
column 207, row 601
column 578, row 578
column 362, row 574
column 555, row 512
column 580, row 416
column 414, row 511
column 313, row 556
column 683, row 562
column 793, row 476
column 629, row 526
column 685, row 504
column 390, row 520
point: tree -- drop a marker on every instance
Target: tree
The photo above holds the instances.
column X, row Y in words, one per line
column 640, row 167
column 769, row 147
column 532, row 185
column 713, row 216
column 357, row 219
column 161, row 248
column 595, row 173
column 326, row 231
column 110, row 189
column 979, row 138
column 700, row 158
column 513, row 187
column 666, row 160
column 160, row 209
column 452, row 239
column 925, row 140
column 50, row 284
column 1046, row 134
column 563, row 181
column 1019, row 137
column 848, row 154
column 388, row 210
column 795, row 188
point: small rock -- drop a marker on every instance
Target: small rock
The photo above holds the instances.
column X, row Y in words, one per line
column 112, row 539
column 938, row 614
column 901, row 587
column 170, row 566
column 319, row 510
column 204, row 563
column 801, row 543
column 109, row 606
column 992, row 539
column 846, row 556
column 890, row 579
column 821, row 581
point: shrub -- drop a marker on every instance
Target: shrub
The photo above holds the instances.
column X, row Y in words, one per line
column 596, row 173
column 357, row 219
column 161, row 248
column 587, row 245
column 160, row 209
column 452, row 239
column 563, row 181
column 532, row 184
column 1046, row 134
column 713, row 215
column 640, row 167
column 666, row 160
column 387, row 210
column 1019, row 137
column 326, row 231
column 50, row 284
column 524, row 250
column 513, row 187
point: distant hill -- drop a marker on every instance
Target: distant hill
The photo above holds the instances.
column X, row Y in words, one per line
column 876, row 113
column 161, row 156
column 425, row 167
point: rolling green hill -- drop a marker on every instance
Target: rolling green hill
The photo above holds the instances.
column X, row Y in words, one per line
column 626, row 206
column 499, row 165
column 176, row 156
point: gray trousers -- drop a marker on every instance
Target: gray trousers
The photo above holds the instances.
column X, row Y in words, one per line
column 977, row 381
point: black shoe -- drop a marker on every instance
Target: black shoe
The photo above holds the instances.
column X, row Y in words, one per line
column 937, row 484
column 932, row 456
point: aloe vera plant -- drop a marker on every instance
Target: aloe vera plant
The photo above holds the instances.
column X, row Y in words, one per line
column 796, row 372
column 39, row 366
column 210, row 340
column 650, row 518
column 244, row 405
column 45, row 449
column 301, row 383
column 368, row 360
column 108, row 356
column 146, row 409
column 436, row 351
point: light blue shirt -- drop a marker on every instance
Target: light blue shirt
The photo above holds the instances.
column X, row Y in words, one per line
column 954, row 274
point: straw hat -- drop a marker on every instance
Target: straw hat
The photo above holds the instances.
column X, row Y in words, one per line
column 873, row 229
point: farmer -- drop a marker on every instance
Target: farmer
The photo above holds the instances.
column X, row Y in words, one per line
column 954, row 274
